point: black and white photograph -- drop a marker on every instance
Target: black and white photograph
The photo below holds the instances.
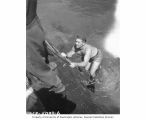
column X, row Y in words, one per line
column 72, row 57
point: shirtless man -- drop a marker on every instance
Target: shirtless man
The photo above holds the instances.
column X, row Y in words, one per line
column 92, row 57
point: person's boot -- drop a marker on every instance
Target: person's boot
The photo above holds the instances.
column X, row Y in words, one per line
column 90, row 82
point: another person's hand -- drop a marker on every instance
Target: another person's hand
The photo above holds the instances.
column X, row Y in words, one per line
column 72, row 65
column 29, row 91
column 63, row 54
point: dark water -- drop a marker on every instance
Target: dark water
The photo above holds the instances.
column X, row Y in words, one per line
column 89, row 18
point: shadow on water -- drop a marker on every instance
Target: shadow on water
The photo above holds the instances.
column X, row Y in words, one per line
column 52, row 102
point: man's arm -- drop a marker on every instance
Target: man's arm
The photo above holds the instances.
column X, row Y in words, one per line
column 86, row 59
column 71, row 53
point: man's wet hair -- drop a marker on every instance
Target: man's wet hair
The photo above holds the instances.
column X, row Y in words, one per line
column 82, row 38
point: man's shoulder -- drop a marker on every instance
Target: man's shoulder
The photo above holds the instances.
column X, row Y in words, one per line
column 91, row 47
column 88, row 47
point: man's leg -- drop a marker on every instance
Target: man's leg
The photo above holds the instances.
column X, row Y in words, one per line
column 88, row 66
column 93, row 69
column 96, row 64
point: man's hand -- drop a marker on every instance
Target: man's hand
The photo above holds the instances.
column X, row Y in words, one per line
column 72, row 65
column 63, row 54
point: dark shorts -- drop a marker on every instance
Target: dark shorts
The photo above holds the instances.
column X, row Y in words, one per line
column 97, row 58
